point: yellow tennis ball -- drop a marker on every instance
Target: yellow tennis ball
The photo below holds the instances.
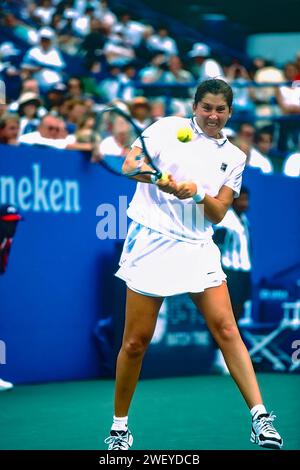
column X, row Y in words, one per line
column 164, row 178
column 184, row 134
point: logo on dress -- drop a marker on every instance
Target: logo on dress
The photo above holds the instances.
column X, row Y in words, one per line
column 223, row 167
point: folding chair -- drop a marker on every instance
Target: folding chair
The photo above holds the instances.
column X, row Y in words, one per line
column 264, row 339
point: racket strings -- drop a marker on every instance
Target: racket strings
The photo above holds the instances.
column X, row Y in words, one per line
column 116, row 134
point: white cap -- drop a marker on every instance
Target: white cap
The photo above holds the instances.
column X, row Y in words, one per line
column 199, row 50
column 46, row 33
column 27, row 97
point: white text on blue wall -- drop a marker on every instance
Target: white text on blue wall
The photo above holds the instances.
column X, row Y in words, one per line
column 33, row 192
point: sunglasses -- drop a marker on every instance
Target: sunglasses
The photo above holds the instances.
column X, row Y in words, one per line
column 53, row 128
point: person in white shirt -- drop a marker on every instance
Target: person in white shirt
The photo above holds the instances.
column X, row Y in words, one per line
column 45, row 61
column 162, row 42
column 291, row 166
column 204, row 67
column 233, row 239
column 245, row 140
column 169, row 249
column 258, row 160
column 49, row 133
column 232, row 235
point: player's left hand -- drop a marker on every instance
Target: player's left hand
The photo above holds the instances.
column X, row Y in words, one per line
column 167, row 185
column 185, row 189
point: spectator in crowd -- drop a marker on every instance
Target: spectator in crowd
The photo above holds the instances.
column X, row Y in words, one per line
column 131, row 30
column 153, row 72
column 117, row 50
column 158, row 109
column 3, row 109
column 93, row 43
column 9, row 129
column 127, row 90
column 245, row 139
column 162, row 42
column 17, row 27
column 108, row 88
column 82, row 24
column 140, row 111
column 204, row 67
column 49, row 133
column 28, row 111
column 288, row 97
column 45, row 61
column 55, row 97
column 243, row 105
column 181, row 97
column 232, row 235
column 9, row 218
column 74, row 88
column 44, row 12
column 104, row 13
column 143, row 51
column 85, row 128
column 76, row 109
column 264, row 97
column 264, row 143
column 9, row 68
column 118, row 143
column 62, row 23
column 29, row 85
column 264, row 140
column 52, row 132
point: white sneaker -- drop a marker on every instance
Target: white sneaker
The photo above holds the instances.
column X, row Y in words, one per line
column 5, row 385
column 119, row 440
column 263, row 432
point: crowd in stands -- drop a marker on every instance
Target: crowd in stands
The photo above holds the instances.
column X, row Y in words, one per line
column 116, row 59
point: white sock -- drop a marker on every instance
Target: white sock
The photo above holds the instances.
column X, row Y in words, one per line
column 120, row 424
column 257, row 410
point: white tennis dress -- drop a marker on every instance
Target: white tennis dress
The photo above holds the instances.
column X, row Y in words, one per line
column 169, row 249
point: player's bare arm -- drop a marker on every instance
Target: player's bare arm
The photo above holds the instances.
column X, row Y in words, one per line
column 134, row 161
column 215, row 208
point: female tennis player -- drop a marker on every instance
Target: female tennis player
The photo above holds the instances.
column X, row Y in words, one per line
column 169, row 249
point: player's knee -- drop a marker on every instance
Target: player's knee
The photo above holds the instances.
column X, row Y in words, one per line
column 136, row 347
column 227, row 331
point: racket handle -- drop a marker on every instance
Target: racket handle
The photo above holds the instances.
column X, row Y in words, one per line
column 164, row 178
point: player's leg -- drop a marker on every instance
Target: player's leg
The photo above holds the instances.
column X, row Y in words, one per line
column 214, row 304
column 140, row 321
column 239, row 288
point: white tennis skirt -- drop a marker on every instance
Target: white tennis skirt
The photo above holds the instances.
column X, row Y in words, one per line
column 155, row 265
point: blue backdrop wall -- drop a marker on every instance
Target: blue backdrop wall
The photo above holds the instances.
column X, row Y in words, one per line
column 59, row 272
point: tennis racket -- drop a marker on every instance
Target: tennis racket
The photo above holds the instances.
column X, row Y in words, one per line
column 114, row 134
